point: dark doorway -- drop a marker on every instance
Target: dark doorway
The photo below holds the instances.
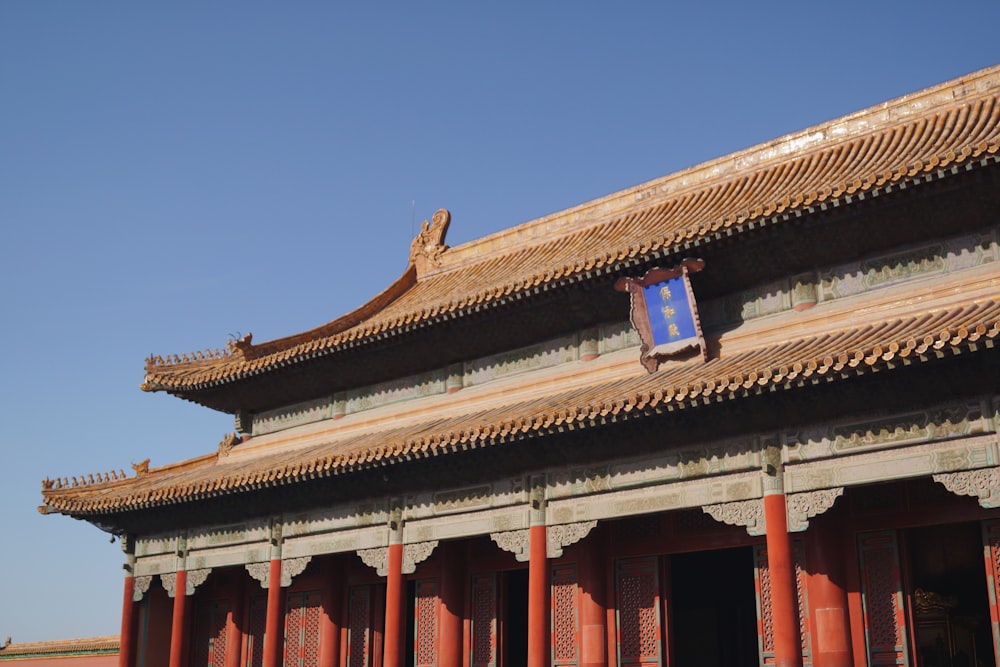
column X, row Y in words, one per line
column 712, row 609
column 948, row 596
column 514, row 647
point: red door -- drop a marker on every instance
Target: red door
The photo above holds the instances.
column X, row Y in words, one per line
column 484, row 620
column 882, row 598
column 565, row 617
column 638, row 618
column 427, row 619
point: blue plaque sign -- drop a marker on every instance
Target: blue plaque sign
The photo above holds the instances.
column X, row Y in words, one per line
column 664, row 312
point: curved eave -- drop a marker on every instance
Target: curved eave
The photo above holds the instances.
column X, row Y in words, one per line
column 828, row 357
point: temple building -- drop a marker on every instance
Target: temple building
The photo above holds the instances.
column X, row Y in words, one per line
column 745, row 414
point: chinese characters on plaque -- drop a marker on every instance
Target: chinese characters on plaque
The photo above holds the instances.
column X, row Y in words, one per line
column 664, row 312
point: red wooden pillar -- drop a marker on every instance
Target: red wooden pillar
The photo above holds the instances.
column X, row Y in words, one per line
column 179, row 624
column 452, row 605
column 331, row 620
column 593, row 599
column 395, row 599
column 538, row 597
column 130, row 624
column 784, row 600
column 827, row 586
column 273, row 630
column 234, row 632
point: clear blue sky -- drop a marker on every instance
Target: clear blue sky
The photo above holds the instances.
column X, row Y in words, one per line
column 171, row 173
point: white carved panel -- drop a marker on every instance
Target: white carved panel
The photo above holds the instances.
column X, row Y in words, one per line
column 563, row 535
column 746, row 513
column 982, row 484
column 800, row 507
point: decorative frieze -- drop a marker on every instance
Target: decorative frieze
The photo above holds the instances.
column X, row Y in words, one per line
column 983, row 484
column 746, row 513
column 801, row 507
column 944, row 422
column 140, row 586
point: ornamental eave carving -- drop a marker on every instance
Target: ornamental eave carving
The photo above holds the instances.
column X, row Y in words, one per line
column 746, row 513
column 563, row 535
column 140, row 586
column 982, row 484
column 803, row 506
column 514, row 541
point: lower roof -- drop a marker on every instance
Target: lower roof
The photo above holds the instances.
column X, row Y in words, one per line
column 831, row 342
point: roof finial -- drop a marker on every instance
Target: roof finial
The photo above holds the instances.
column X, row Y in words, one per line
column 428, row 246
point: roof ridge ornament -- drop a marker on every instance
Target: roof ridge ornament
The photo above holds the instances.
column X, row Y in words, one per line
column 428, row 246
column 664, row 313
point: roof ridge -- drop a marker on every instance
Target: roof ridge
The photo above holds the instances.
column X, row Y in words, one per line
column 924, row 102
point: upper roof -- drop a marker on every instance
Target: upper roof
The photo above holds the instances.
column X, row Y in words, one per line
column 930, row 132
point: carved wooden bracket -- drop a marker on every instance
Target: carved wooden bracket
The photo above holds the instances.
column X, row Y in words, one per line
column 140, row 587
column 556, row 538
column 514, row 541
column 983, row 484
column 195, row 578
column 290, row 568
column 415, row 553
column 378, row 558
column 800, row 507
column 563, row 535
column 746, row 513
column 261, row 572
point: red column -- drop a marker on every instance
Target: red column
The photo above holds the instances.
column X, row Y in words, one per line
column 831, row 631
column 452, row 605
column 126, row 653
column 538, row 598
column 395, row 599
column 331, row 620
column 179, row 625
column 234, row 633
column 593, row 611
column 784, row 600
column 273, row 630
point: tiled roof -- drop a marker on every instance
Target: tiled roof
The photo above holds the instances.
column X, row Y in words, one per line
column 918, row 137
column 61, row 647
column 833, row 346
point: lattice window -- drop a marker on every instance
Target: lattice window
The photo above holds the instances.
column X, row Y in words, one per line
column 565, row 624
column 209, row 641
column 302, row 615
column 484, row 620
column 426, row 618
column 638, row 612
column 255, row 633
column 359, row 627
